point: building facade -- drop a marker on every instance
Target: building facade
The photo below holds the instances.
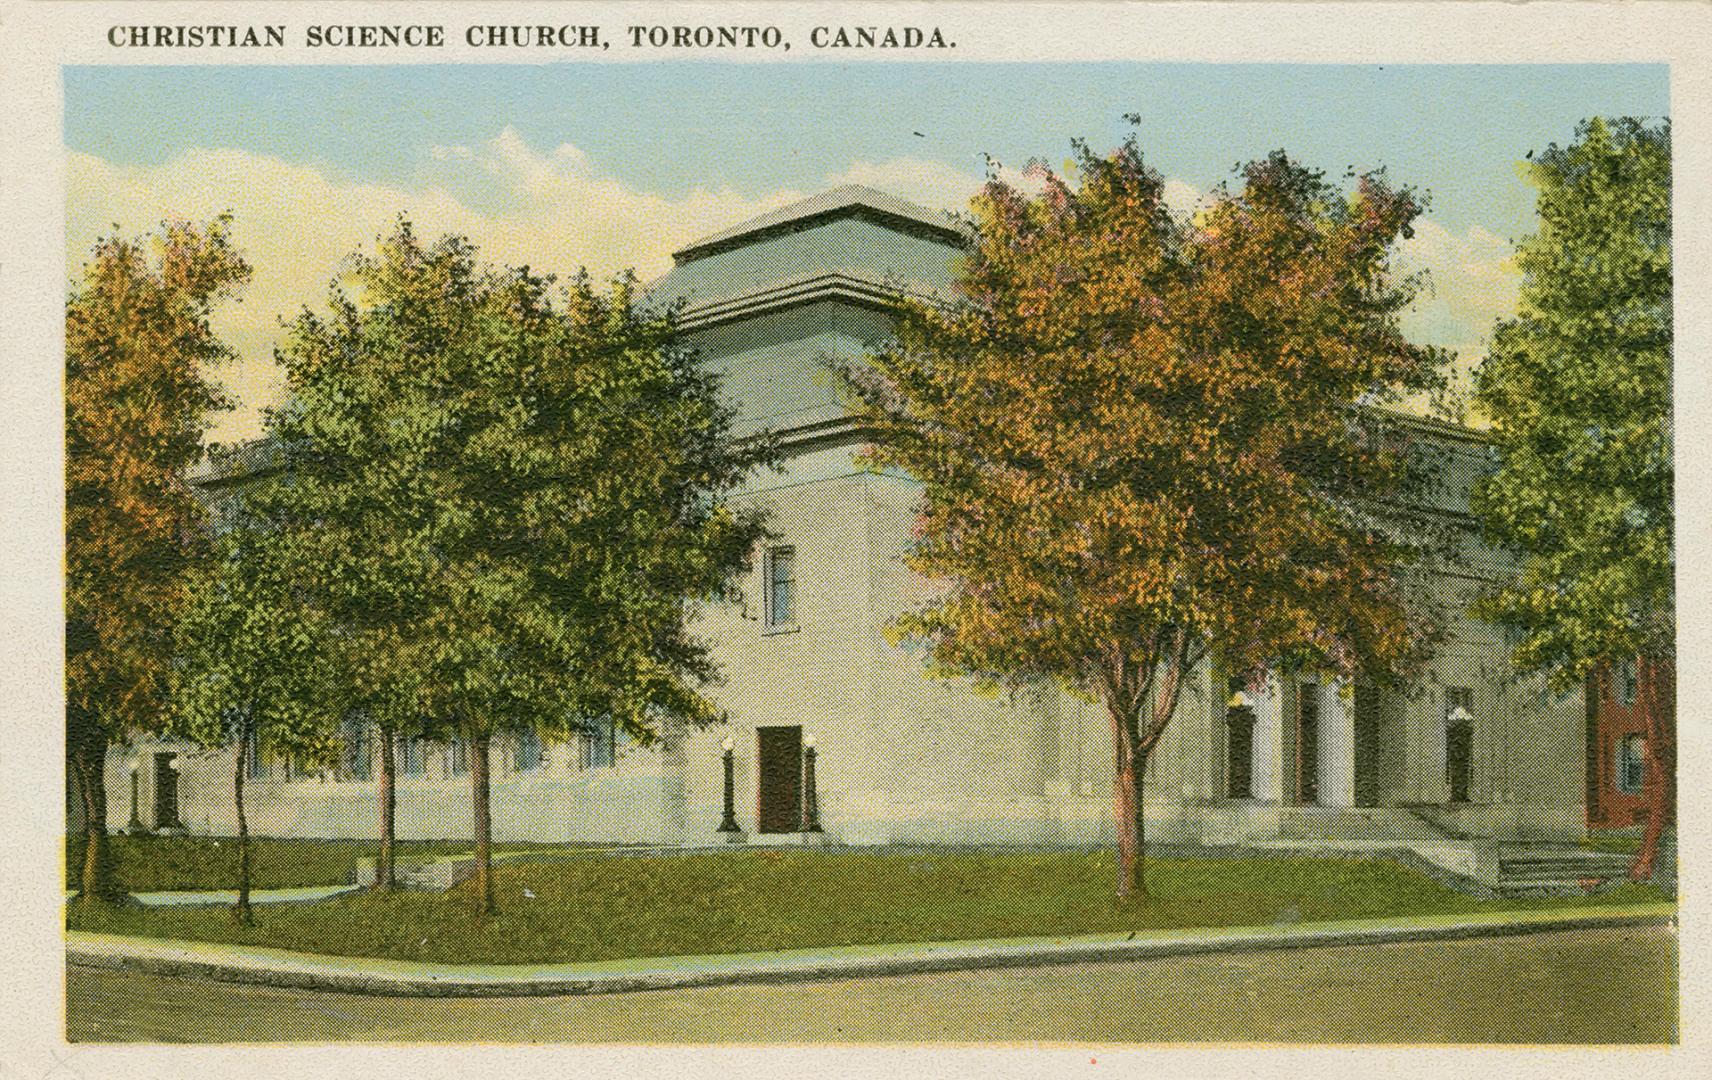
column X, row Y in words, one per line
column 810, row 673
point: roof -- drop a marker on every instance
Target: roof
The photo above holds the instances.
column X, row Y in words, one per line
column 851, row 200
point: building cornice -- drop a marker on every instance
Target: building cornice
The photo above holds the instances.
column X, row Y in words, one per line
column 853, row 201
column 862, row 292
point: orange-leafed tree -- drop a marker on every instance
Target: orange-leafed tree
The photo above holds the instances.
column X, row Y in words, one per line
column 1147, row 441
column 138, row 349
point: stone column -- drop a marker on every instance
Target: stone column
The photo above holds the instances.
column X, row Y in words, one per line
column 1337, row 744
column 1269, row 741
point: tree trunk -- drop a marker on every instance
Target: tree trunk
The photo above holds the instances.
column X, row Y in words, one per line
column 89, row 760
column 1138, row 800
column 241, row 910
column 384, row 878
column 1127, row 795
column 483, row 825
column 1658, row 708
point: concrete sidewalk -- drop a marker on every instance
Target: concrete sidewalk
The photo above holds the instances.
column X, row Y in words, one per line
column 220, row 897
column 282, row 968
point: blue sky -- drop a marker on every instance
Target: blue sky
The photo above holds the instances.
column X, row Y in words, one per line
column 617, row 164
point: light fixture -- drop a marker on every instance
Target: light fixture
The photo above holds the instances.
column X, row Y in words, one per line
column 808, row 741
column 1238, row 700
column 1460, row 715
column 727, row 744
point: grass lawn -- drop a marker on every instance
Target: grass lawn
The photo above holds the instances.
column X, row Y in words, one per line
column 159, row 863
column 1620, row 845
column 597, row 908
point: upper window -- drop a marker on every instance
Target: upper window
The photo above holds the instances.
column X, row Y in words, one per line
column 410, row 756
column 598, row 746
column 779, row 568
column 457, row 757
column 529, row 756
column 359, row 751
column 1627, row 684
column 1458, row 697
column 257, row 764
column 1631, row 763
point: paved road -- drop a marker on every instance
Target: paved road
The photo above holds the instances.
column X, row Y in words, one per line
column 1599, row 986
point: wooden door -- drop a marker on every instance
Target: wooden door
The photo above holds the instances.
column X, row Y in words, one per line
column 780, row 787
column 1307, row 786
column 1239, row 753
column 1459, row 759
column 1366, row 706
column 166, row 791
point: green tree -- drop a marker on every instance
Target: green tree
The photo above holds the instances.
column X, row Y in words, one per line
column 1138, row 444
column 1579, row 387
column 137, row 397
column 510, row 499
column 252, row 670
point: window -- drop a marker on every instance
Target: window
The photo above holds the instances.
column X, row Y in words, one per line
column 359, row 751
column 1627, row 685
column 257, row 766
column 779, row 569
column 410, row 757
column 1458, row 697
column 1631, row 764
column 598, row 745
column 457, row 757
column 529, row 756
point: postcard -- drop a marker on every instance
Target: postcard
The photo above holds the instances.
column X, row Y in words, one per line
column 1041, row 538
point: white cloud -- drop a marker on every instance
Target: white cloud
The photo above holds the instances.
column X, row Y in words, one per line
column 1183, row 197
column 932, row 184
column 1472, row 283
column 556, row 211
column 295, row 225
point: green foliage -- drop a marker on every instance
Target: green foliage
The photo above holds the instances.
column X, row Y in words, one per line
column 1579, row 387
column 505, row 497
column 252, row 652
column 598, row 908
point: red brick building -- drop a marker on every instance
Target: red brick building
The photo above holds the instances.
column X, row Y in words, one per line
column 1616, row 749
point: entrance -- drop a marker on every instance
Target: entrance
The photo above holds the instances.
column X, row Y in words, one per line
column 1459, row 758
column 780, row 757
column 1366, row 707
column 1239, row 753
column 1307, row 786
column 166, row 792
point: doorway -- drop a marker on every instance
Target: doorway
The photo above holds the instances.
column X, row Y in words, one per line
column 1239, row 752
column 1459, row 759
column 780, row 790
column 1307, row 744
column 166, row 792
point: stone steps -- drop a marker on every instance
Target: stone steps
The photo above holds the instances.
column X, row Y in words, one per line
column 1559, row 872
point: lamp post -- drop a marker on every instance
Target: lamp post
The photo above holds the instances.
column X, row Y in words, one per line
column 810, row 804
column 728, row 823
column 135, row 826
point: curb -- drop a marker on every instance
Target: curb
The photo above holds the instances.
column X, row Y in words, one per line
column 309, row 971
column 307, row 894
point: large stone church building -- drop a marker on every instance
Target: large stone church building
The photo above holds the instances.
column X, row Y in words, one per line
column 810, row 674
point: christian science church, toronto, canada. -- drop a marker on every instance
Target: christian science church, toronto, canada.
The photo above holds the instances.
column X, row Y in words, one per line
column 1468, row 755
